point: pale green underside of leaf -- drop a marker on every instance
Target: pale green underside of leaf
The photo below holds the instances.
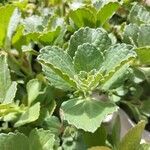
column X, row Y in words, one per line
column 33, row 90
column 98, row 37
column 131, row 140
column 5, row 80
column 143, row 54
column 11, row 92
column 31, row 114
column 5, row 15
column 106, row 12
column 18, row 40
column 86, row 114
column 88, row 16
column 87, row 58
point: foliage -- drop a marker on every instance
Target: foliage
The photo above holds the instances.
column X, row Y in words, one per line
column 68, row 66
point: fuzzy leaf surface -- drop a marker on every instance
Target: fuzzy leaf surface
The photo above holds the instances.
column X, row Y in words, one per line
column 59, row 61
column 139, row 14
column 86, row 114
column 130, row 34
column 41, row 139
column 117, row 54
column 98, row 37
column 55, row 80
column 87, row 58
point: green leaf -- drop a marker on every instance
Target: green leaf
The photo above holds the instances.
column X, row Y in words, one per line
column 87, row 58
column 5, row 80
column 99, row 148
column 11, row 92
column 55, row 80
column 30, row 115
column 19, row 39
column 41, row 140
column 116, row 130
column 9, row 109
column 53, row 124
column 86, row 114
column 145, row 108
column 130, row 34
column 12, row 26
column 116, row 76
column 83, row 17
column 38, row 139
column 143, row 54
column 98, row 77
column 13, row 141
column 143, row 36
column 146, row 71
column 33, row 90
column 59, row 61
column 72, row 139
column 106, row 12
column 49, row 37
column 5, row 15
column 32, row 36
column 98, row 37
column 97, row 138
column 131, row 141
column 139, row 14
column 144, row 147
column 117, row 54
